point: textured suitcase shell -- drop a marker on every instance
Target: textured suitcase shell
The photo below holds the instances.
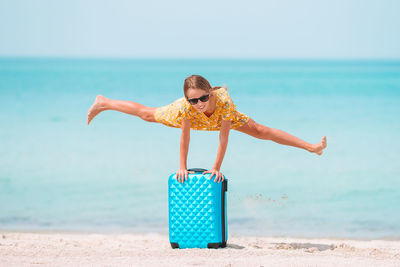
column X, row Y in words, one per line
column 197, row 211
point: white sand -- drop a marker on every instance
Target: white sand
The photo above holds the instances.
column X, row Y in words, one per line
column 83, row 249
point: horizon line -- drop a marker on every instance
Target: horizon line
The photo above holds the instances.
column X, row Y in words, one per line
column 198, row 58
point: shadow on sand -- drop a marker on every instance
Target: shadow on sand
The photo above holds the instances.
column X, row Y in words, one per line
column 234, row 246
column 320, row 247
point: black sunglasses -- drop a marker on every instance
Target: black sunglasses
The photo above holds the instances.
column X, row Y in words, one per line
column 204, row 98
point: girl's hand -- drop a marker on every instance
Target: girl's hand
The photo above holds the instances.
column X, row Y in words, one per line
column 218, row 175
column 182, row 174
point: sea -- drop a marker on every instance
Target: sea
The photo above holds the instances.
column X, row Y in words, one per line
column 59, row 174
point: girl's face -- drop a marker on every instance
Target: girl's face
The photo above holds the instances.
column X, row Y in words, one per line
column 196, row 95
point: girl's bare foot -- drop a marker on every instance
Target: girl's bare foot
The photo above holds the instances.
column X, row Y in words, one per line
column 319, row 148
column 97, row 107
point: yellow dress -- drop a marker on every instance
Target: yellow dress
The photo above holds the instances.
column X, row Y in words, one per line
column 172, row 114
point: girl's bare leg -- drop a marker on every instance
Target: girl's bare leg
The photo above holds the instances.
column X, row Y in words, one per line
column 129, row 107
column 263, row 132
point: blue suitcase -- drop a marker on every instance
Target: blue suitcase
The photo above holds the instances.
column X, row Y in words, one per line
column 197, row 211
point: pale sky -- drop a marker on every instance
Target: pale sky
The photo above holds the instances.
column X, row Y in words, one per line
column 315, row 29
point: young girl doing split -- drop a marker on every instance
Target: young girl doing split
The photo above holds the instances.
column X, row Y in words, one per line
column 203, row 108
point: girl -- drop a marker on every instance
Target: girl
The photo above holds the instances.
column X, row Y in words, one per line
column 203, row 108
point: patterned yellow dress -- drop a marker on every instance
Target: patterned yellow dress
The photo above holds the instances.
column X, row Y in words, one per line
column 172, row 114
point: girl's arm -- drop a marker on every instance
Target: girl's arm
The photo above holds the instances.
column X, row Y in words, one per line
column 223, row 144
column 182, row 173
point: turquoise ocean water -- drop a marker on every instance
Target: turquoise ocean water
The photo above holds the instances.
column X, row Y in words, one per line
column 56, row 173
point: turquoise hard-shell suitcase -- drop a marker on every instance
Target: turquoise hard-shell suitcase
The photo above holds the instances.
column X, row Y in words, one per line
column 197, row 211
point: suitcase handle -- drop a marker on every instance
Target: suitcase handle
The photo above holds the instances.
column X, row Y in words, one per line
column 197, row 170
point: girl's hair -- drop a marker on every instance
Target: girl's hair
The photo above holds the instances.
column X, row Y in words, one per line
column 198, row 82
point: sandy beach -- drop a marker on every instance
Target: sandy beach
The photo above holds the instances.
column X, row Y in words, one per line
column 83, row 249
